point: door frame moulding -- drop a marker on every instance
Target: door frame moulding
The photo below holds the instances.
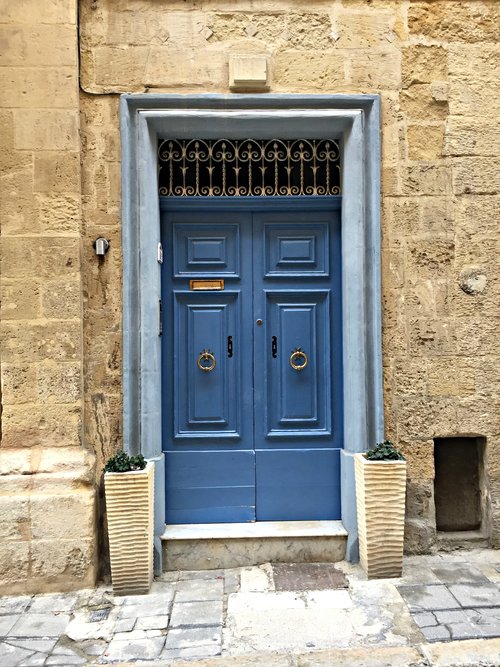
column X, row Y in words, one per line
column 355, row 121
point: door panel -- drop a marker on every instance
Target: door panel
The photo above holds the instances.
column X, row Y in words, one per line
column 298, row 484
column 298, row 400
column 210, row 486
column 206, row 401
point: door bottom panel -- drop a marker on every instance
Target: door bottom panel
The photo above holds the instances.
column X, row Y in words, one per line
column 298, row 485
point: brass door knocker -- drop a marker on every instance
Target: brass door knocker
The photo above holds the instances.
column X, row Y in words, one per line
column 206, row 355
column 295, row 357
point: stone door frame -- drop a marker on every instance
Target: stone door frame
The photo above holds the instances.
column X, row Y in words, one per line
column 355, row 121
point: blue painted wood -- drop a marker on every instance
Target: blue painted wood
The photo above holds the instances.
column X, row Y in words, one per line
column 298, row 484
column 210, row 486
column 283, row 267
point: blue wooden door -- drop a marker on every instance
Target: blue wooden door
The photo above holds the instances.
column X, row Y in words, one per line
column 252, row 412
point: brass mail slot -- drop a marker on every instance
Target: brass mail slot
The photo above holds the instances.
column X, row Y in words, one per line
column 206, row 284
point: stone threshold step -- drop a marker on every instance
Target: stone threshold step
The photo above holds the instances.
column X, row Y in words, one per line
column 226, row 545
column 214, row 531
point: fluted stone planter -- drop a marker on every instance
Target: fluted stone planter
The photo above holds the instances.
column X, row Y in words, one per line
column 380, row 501
column 130, row 508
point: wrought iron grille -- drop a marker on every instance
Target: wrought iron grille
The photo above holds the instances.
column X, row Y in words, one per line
column 248, row 167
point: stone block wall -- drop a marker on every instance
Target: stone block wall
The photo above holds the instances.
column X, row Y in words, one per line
column 47, row 515
column 434, row 63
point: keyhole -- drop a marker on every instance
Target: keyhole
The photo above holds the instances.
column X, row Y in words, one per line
column 259, row 322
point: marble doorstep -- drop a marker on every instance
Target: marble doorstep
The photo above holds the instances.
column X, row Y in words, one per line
column 228, row 545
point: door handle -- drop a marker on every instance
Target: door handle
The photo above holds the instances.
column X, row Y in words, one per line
column 274, row 347
column 229, row 346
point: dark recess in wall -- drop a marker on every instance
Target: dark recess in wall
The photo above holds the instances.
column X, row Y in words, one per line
column 457, row 483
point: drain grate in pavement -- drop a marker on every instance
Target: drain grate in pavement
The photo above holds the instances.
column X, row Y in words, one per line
column 307, row 577
column 99, row 615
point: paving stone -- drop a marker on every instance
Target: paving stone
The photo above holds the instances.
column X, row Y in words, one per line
column 336, row 599
column 69, row 659
column 191, row 652
column 130, row 636
column 14, row 605
column 41, row 645
column 476, row 595
column 52, row 603
column 459, row 573
column 94, row 648
column 232, row 580
column 307, row 577
column 196, row 614
column 470, row 652
column 192, row 637
column 199, row 590
column 7, row 623
column 144, row 609
column 464, row 630
column 12, row 655
column 152, row 622
column 200, row 574
column 153, row 600
column 264, row 601
column 257, row 579
column 287, row 630
column 125, row 624
column 425, row 619
column 428, row 598
column 35, row 660
column 453, row 616
column 438, row 633
column 40, row 625
column 144, row 649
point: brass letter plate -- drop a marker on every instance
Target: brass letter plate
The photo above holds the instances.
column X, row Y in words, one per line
column 206, row 284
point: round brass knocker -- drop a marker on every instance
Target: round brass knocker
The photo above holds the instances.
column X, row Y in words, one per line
column 296, row 356
column 206, row 355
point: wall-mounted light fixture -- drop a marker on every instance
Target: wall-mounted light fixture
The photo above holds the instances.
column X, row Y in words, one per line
column 101, row 246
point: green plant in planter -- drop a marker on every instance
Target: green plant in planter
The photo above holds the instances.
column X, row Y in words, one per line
column 122, row 462
column 384, row 451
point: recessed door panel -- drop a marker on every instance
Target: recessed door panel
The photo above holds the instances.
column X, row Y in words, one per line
column 296, row 250
column 298, row 388
column 205, row 249
column 207, row 381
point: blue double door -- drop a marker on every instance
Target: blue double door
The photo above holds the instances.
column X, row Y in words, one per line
column 252, row 360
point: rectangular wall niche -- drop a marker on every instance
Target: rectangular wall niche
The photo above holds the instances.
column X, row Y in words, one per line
column 459, row 483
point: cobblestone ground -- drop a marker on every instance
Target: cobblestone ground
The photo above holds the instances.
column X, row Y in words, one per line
column 247, row 611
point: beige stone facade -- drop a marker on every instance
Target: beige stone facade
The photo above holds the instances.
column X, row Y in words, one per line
column 436, row 66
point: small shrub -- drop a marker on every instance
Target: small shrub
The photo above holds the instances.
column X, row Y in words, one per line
column 122, row 462
column 384, row 451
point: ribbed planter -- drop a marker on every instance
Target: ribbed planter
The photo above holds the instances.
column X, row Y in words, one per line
column 380, row 501
column 130, row 507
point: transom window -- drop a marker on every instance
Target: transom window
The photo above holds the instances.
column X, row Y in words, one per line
column 248, row 167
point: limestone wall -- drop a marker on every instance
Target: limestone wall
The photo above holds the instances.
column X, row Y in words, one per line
column 47, row 514
column 436, row 67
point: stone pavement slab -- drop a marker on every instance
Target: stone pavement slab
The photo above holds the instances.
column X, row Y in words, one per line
column 428, row 598
column 52, row 603
column 196, row 613
column 14, row 605
column 199, row 590
column 472, row 652
column 40, row 625
column 476, row 595
column 7, row 623
column 143, row 649
column 459, row 573
column 191, row 637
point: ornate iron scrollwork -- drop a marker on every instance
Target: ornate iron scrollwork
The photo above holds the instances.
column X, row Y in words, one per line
column 248, row 167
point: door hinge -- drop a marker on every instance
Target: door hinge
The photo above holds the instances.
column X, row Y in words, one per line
column 160, row 323
column 159, row 253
